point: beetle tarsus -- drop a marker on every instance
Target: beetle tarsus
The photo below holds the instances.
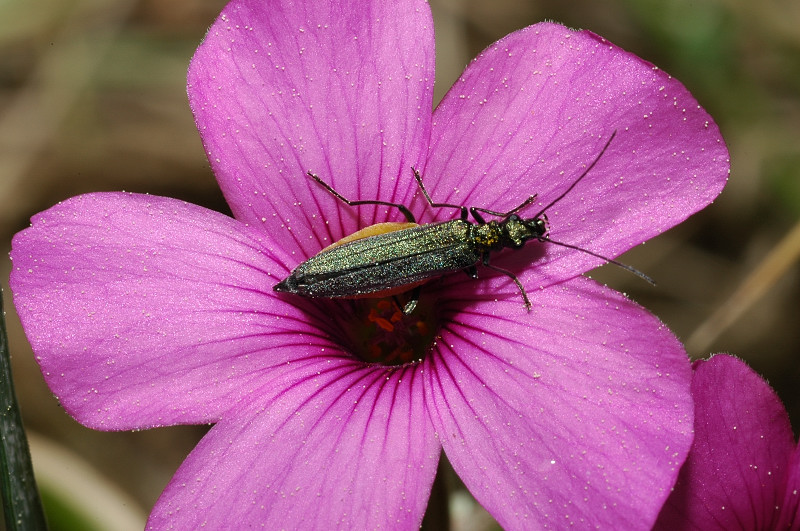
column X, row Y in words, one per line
column 513, row 277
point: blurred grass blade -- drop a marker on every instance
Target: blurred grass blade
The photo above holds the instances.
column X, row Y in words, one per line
column 752, row 288
column 21, row 503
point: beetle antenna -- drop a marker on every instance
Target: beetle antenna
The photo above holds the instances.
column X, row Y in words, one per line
column 607, row 259
column 579, row 179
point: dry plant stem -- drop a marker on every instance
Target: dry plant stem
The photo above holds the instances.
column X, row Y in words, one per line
column 752, row 288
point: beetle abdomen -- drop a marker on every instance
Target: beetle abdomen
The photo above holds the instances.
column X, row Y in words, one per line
column 378, row 265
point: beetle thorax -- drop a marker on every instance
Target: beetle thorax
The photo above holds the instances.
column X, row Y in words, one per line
column 489, row 236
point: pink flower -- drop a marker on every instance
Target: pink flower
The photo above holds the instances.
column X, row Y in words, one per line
column 743, row 471
column 146, row 311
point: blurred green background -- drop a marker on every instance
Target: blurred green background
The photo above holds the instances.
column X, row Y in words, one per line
column 92, row 97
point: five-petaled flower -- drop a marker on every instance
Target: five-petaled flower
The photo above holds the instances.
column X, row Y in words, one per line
column 146, row 311
column 743, row 471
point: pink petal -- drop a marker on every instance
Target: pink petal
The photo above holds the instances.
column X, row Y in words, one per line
column 736, row 470
column 534, row 110
column 146, row 311
column 343, row 89
column 790, row 505
column 577, row 414
column 318, row 447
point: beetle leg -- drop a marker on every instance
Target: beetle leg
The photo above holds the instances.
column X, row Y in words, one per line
column 402, row 208
column 471, row 271
column 476, row 216
column 513, row 277
column 514, row 210
column 418, row 177
column 411, row 304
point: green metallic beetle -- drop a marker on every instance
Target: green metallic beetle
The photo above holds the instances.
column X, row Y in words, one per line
column 390, row 258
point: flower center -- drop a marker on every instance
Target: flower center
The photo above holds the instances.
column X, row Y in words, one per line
column 379, row 332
